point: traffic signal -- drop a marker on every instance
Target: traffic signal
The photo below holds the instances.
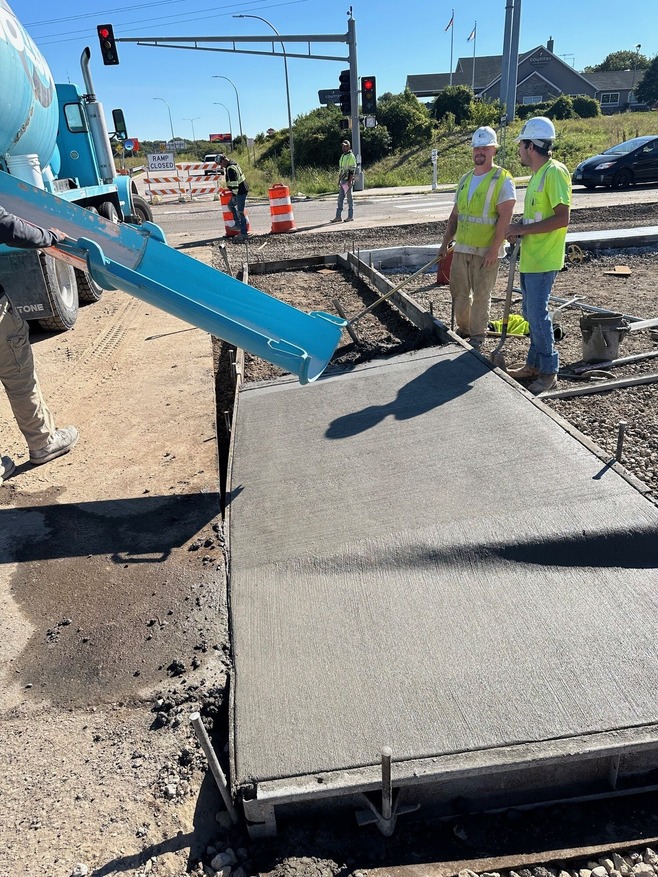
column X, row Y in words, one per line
column 368, row 95
column 108, row 44
column 345, row 90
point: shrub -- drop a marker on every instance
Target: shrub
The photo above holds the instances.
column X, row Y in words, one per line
column 561, row 108
column 586, row 107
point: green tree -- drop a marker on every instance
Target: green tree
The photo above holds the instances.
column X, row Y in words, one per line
column 625, row 59
column 647, row 90
column 455, row 99
column 405, row 118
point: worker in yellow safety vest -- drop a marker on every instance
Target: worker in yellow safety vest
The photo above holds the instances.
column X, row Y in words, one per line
column 346, row 172
column 237, row 183
column 546, row 213
column 484, row 204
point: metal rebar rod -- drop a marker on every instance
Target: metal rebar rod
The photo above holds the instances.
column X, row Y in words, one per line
column 387, row 785
column 217, row 772
column 621, row 427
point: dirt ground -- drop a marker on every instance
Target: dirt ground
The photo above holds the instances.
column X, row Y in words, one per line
column 102, row 774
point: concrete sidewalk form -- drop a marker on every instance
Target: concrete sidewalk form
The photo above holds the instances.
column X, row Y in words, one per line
column 422, row 557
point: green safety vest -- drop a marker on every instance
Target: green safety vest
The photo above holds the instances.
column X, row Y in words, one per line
column 550, row 185
column 477, row 218
column 346, row 165
column 236, row 176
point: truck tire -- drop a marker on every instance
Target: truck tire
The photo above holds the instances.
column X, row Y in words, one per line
column 88, row 289
column 62, row 292
column 141, row 211
column 108, row 211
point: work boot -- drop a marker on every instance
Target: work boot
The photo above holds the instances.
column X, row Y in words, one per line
column 6, row 468
column 350, row 219
column 543, row 383
column 59, row 443
column 336, row 219
column 462, row 333
column 523, row 372
column 476, row 341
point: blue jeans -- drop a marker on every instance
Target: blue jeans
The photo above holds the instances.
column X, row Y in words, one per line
column 350, row 202
column 536, row 289
column 236, row 206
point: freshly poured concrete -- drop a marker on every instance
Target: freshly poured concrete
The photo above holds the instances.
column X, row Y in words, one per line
column 422, row 558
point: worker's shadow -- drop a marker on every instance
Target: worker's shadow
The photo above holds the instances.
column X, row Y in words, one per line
column 440, row 383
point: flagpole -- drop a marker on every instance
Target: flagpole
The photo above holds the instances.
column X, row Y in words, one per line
column 452, row 39
column 475, row 36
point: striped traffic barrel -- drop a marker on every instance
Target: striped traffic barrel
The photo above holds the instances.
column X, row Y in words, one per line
column 281, row 209
column 229, row 223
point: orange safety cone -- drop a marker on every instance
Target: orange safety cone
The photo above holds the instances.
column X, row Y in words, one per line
column 281, row 209
column 229, row 223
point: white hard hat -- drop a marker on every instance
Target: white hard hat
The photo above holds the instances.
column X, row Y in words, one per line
column 538, row 128
column 484, row 136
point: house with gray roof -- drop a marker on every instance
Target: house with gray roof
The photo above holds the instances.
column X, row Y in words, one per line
column 541, row 76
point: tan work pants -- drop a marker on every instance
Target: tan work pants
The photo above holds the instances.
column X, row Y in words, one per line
column 471, row 285
column 19, row 378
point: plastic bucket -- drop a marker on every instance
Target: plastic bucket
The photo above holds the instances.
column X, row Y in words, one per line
column 443, row 271
column 26, row 168
column 602, row 335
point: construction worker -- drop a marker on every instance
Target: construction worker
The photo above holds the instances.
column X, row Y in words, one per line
column 484, row 204
column 346, row 172
column 543, row 232
column 17, row 372
column 237, row 183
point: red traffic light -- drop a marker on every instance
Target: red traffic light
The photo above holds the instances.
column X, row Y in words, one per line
column 107, row 43
column 367, row 84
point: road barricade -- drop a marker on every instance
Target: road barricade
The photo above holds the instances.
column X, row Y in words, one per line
column 230, row 227
column 159, row 186
column 201, row 178
column 281, row 209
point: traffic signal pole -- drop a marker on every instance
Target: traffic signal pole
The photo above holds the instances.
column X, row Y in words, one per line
column 196, row 44
column 354, row 100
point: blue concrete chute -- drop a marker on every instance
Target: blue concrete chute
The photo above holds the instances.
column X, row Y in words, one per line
column 137, row 260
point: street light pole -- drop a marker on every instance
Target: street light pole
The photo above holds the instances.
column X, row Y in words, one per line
column 230, row 125
column 195, row 119
column 173, row 143
column 285, row 68
column 637, row 52
column 237, row 100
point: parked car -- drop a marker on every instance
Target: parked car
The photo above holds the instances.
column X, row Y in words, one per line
column 633, row 161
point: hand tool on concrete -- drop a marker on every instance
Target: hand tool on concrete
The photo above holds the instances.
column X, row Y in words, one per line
column 404, row 282
column 498, row 358
column 353, row 320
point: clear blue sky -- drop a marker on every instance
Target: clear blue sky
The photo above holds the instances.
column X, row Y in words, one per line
column 394, row 39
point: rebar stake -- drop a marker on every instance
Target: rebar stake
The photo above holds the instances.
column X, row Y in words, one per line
column 621, row 426
column 215, row 767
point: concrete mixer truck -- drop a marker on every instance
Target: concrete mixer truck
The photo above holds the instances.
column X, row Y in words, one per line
column 55, row 137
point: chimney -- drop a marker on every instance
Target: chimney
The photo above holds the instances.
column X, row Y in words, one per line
column 550, row 44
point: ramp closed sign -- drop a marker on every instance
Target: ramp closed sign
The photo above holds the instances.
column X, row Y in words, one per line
column 163, row 161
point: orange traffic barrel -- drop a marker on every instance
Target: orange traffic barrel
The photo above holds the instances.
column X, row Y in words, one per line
column 229, row 223
column 281, row 209
column 443, row 271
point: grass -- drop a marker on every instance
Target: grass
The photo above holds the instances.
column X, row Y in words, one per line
column 577, row 139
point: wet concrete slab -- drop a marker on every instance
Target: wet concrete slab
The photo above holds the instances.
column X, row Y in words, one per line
column 423, row 557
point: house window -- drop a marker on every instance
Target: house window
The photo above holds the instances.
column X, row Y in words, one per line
column 610, row 99
column 631, row 97
column 532, row 99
